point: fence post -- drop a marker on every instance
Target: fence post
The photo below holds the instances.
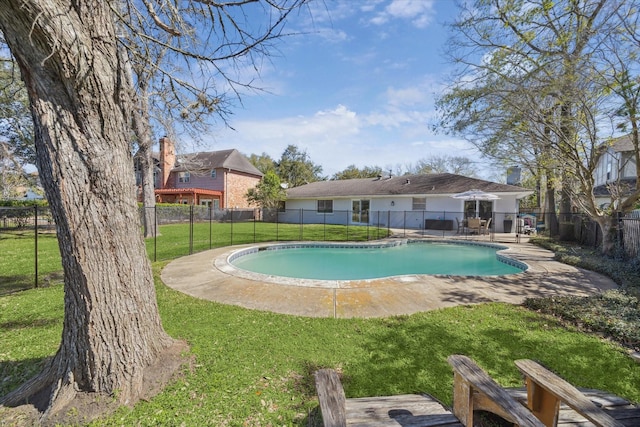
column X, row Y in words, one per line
column 347, row 222
column 210, row 225
column 620, row 227
column 404, row 223
column 190, row 229
column 368, row 225
column 324, row 226
column 155, row 235
column 35, row 226
column 301, row 223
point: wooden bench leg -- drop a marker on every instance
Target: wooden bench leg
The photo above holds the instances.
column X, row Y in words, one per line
column 331, row 397
column 544, row 405
column 462, row 400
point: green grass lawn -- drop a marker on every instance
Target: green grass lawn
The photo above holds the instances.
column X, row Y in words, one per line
column 177, row 240
column 18, row 266
column 17, row 263
column 255, row 368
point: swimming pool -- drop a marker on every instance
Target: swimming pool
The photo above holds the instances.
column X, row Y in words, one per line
column 326, row 261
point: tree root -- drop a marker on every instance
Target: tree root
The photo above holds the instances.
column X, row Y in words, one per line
column 50, row 398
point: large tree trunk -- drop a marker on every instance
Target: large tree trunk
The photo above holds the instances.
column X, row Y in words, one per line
column 609, row 227
column 112, row 330
column 550, row 216
column 142, row 129
column 143, row 134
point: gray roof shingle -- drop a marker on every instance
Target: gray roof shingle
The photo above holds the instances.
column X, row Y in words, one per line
column 426, row 184
column 228, row 159
column 622, row 144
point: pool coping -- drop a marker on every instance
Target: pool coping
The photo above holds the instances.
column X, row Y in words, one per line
column 196, row 275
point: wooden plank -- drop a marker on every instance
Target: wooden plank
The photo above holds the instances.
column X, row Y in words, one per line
column 614, row 405
column 627, row 416
column 331, row 397
column 475, row 380
column 568, row 394
column 544, row 405
column 407, row 410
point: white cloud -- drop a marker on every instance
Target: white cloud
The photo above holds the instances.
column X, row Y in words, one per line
column 418, row 12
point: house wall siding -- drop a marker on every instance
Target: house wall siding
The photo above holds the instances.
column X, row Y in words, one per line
column 199, row 179
column 620, row 165
column 629, row 168
column 400, row 215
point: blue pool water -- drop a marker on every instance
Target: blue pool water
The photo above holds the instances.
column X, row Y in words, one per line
column 326, row 262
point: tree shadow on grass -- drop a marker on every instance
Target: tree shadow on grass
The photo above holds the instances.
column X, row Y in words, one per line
column 23, row 282
column 15, row 372
column 410, row 355
column 11, row 284
column 29, row 323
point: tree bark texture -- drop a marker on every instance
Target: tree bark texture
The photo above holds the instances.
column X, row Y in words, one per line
column 67, row 52
column 142, row 130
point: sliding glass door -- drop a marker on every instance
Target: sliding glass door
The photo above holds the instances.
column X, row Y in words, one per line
column 360, row 211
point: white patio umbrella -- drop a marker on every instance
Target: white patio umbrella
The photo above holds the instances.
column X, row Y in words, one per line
column 476, row 195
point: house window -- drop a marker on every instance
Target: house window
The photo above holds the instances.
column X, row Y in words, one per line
column 325, row 206
column 282, row 206
column 213, row 174
column 184, row 177
column 419, row 204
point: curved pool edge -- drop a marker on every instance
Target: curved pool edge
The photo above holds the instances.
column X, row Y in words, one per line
column 195, row 275
column 224, row 262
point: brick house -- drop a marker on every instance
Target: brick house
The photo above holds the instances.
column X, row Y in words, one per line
column 218, row 178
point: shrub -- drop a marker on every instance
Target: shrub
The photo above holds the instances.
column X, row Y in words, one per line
column 615, row 314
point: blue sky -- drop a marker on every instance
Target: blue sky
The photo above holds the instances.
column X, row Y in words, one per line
column 358, row 87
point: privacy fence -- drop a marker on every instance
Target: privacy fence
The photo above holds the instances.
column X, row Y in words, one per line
column 187, row 229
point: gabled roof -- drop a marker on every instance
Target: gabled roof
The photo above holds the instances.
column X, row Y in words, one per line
column 426, row 184
column 621, row 144
column 226, row 159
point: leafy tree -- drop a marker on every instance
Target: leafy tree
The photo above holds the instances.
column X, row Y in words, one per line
column 353, row 172
column 459, row 165
column 295, row 168
column 16, row 125
column 532, row 86
column 12, row 175
column 76, row 75
column 268, row 193
column 263, row 162
column 16, row 131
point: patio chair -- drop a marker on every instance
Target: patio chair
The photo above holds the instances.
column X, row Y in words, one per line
column 485, row 227
column 461, row 226
column 474, row 225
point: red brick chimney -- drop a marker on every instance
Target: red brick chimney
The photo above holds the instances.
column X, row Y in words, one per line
column 167, row 159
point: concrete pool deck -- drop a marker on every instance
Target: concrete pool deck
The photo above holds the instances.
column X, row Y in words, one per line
column 197, row 275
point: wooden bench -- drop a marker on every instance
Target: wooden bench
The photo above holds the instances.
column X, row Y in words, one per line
column 542, row 403
column 546, row 392
column 473, row 390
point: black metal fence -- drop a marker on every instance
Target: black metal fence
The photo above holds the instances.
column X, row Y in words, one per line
column 188, row 229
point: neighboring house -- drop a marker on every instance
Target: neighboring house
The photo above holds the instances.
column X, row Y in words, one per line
column 218, row 178
column 616, row 168
column 411, row 201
